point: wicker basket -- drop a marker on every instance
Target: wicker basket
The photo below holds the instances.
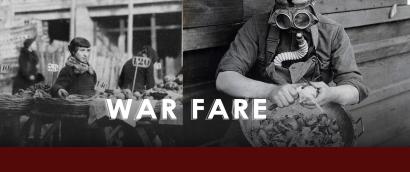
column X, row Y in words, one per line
column 15, row 104
column 62, row 106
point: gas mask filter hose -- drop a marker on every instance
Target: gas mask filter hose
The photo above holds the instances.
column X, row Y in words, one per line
column 294, row 55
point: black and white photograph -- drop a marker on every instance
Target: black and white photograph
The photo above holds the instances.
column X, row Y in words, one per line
column 61, row 60
column 204, row 73
column 332, row 73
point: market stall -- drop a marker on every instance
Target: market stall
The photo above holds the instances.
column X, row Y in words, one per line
column 45, row 114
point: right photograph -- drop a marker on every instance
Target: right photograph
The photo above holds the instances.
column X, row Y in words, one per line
column 296, row 73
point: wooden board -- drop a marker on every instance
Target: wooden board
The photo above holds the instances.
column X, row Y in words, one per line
column 202, row 65
column 383, row 93
column 386, row 71
column 137, row 10
column 50, row 5
column 370, row 16
column 104, row 11
column 376, row 32
column 332, row 6
column 211, row 12
column 252, row 7
column 206, row 37
column 382, row 49
column 385, row 120
column 351, row 20
column 213, row 36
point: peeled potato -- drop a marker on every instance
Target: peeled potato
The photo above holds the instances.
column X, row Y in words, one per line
column 307, row 93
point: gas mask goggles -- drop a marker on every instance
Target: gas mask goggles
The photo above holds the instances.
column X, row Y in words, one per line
column 293, row 17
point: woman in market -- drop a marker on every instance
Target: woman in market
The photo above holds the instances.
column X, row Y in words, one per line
column 27, row 74
column 77, row 77
column 145, row 76
column 144, row 80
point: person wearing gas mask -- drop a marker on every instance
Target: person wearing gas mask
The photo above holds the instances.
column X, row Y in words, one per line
column 275, row 53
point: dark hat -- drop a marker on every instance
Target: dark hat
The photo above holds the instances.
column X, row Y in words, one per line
column 27, row 43
column 78, row 42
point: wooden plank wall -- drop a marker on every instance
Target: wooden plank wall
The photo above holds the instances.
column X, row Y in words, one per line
column 381, row 43
column 49, row 5
column 60, row 9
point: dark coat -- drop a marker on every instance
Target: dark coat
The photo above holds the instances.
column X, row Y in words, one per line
column 27, row 67
column 75, row 131
column 82, row 84
column 144, row 80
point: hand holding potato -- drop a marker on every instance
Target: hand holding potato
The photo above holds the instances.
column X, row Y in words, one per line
column 284, row 95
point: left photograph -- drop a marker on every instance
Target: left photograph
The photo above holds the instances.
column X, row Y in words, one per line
column 91, row 73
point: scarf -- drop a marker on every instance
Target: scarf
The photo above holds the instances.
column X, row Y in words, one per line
column 79, row 66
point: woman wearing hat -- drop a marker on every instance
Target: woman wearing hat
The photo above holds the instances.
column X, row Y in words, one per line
column 145, row 76
column 77, row 76
column 27, row 73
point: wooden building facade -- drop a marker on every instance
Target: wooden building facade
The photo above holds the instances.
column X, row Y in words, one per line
column 378, row 29
column 156, row 23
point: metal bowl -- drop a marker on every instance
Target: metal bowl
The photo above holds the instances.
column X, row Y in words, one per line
column 334, row 111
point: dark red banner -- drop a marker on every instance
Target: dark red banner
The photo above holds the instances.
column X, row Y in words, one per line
column 213, row 159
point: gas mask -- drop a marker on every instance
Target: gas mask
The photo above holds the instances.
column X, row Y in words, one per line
column 293, row 16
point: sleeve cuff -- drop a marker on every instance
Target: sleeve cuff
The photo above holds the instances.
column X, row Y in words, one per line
column 361, row 88
column 228, row 68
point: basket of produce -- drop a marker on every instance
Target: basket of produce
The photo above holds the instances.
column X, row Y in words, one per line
column 23, row 100
column 152, row 94
column 118, row 94
column 15, row 104
column 73, row 104
column 172, row 83
column 297, row 126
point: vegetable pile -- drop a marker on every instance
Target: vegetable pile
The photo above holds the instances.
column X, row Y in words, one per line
column 170, row 88
column 172, row 83
column 39, row 90
column 299, row 131
column 296, row 127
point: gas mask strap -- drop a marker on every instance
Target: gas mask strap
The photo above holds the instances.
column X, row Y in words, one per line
column 315, row 35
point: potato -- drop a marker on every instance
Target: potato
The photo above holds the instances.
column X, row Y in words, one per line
column 128, row 94
column 137, row 94
column 169, row 78
column 111, row 97
column 120, row 96
column 171, row 86
column 116, row 91
column 126, row 91
column 307, row 93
